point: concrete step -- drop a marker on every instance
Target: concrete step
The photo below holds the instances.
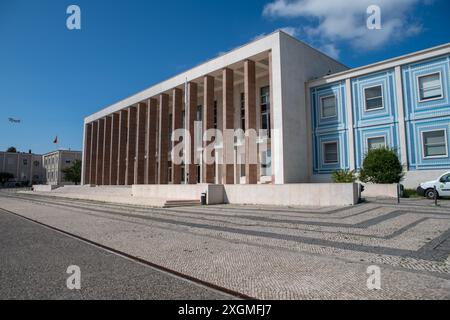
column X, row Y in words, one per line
column 181, row 203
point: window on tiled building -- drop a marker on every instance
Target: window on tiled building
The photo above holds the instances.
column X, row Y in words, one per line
column 330, row 152
column 373, row 97
column 434, row 143
column 376, row 143
column 430, row 87
column 328, row 107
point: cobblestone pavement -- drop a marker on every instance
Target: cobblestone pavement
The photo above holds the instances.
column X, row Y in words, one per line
column 34, row 261
column 273, row 252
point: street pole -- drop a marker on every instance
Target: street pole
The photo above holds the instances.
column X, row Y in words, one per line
column 435, row 196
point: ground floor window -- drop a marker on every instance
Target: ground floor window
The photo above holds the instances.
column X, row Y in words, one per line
column 242, row 169
column 169, row 172
column 330, row 152
column 183, row 174
column 266, row 163
column 376, row 143
column 434, row 143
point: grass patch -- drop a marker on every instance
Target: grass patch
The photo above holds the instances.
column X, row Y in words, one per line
column 410, row 193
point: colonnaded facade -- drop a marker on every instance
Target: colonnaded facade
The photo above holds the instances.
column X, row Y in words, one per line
column 274, row 111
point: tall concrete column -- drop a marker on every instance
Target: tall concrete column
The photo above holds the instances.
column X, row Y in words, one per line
column 114, row 156
column 139, row 169
column 152, row 133
column 163, row 147
column 87, row 153
column 107, row 152
column 131, row 145
column 251, row 167
column 93, row 169
column 191, row 116
column 350, row 129
column 401, row 117
column 100, row 143
column 208, row 123
column 122, row 159
column 177, row 123
column 272, row 112
column 228, row 123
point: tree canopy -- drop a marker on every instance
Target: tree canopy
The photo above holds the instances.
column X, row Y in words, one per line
column 381, row 166
column 5, row 177
column 73, row 173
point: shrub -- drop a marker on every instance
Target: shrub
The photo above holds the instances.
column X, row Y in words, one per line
column 344, row 176
column 5, row 177
column 410, row 193
column 73, row 173
column 381, row 166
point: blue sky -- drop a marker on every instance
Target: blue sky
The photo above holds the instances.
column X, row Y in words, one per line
column 51, row 77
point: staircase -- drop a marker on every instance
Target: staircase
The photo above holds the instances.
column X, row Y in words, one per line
column 181, row 203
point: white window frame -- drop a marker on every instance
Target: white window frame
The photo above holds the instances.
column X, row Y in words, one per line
column 382, row 98
column 335, row 106
column 418, row 77
column 375, row 137
column 423, row 144
column 323, row 152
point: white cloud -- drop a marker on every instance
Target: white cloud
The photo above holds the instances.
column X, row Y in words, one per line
column 331, row 21
column 330, row 50
column 259, row 36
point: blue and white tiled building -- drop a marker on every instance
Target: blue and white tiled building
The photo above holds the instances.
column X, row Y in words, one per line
column 402, row 103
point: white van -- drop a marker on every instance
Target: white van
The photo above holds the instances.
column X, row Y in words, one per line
column 442, row 185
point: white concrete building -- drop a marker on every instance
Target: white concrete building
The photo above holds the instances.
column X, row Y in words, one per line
column 56, row 161
column 319, row 116
column 258, row 86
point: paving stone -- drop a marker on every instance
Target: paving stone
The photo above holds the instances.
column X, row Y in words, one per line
column 273, row 252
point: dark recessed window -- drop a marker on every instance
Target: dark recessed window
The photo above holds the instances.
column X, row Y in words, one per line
column 330, row 152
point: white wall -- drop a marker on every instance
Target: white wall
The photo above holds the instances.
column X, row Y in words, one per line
column 411, row 180
column 414, row 178
column 299, row 63
column 380, row 190
column 316, row 195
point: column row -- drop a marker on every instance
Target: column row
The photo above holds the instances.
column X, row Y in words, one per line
column 132, row 146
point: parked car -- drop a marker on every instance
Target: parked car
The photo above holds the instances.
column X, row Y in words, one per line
column 442, row 185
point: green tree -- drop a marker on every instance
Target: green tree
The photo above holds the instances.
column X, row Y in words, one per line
column 73, row 173
column 5, row 177
column 343, row 176
column 381, row 166
column 12, row 150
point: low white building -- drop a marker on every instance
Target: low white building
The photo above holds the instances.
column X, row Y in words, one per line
column 56, row 161
column 26, row 168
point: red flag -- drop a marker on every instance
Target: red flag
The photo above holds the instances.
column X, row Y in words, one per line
column 56, row 140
